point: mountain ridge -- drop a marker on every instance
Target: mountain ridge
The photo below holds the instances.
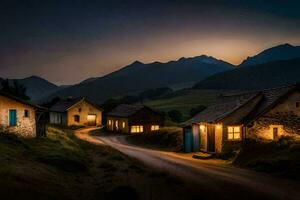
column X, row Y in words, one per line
column 267, row 75
column 280, row 52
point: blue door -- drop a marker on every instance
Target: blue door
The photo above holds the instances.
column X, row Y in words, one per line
column 12, row 117
column 187, row 140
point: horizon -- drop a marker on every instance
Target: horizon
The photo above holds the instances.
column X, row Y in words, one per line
column 93, row 39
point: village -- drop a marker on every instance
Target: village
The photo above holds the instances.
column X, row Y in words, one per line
column 149, row 100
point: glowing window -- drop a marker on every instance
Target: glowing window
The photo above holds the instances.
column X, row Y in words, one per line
column 123, row 124
column 234, row 132
column 109, row 122
column 154, row 127
column 137, row 129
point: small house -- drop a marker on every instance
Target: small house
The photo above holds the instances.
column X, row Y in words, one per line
column 19, row 116
column 76, row 112
column 261, row 115
column 134, row 119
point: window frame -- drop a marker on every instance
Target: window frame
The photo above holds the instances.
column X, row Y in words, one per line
column 137, row 129
column 234, row 133
column 77, row 118
column 26, row 113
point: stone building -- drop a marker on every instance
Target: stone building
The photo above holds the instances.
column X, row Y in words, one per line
column 134, row 119
column 263, row 115
column 76, row 112
column 18, row 116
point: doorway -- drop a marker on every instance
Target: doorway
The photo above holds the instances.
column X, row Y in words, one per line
column 211, row 138
column 275, row 133
column 91, row 120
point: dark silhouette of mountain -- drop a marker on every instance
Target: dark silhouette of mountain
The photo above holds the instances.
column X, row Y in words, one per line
column 281, row 52
column 261, row 76
column 37, row 88
column 138, row 77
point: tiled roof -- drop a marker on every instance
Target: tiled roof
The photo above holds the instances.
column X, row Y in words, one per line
column 125, row 110
column 65, row 104
column 221, row 108
column 227, row 104
column 270, row 97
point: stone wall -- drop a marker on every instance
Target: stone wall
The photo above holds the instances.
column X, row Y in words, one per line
column 26, row 126
column 284, row 116
column 288, row 123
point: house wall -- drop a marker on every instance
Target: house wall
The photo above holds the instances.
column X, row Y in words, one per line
column 26, row 126
column 147, row 118
column 112, row 125
column 144, row 117
column 58, row 118
column 83, row 109
column 284, row 116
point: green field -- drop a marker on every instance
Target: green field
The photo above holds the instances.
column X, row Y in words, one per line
column 185, row 100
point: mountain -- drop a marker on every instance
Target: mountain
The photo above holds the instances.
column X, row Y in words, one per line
column 261, row 76
column 139, row 76
column 281, row 52
column 37, row 88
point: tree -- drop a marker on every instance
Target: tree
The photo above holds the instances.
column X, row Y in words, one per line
column 195, row 111
column 14, row 88
column 175, row 115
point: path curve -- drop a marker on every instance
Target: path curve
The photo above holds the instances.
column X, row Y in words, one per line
column 212, row 175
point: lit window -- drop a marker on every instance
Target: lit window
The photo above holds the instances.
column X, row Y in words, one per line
column 109, row 122
column 123, row 124
column 76, row 118
column 154, row 127
column 26, row 113
column 137, row 129
column 234, row 132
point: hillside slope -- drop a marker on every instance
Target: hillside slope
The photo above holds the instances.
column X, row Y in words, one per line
column 255, row 77
column 139, row 76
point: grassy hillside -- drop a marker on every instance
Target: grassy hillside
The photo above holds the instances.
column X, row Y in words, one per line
column 185, row 100
column 64, row 167
column 267, row 75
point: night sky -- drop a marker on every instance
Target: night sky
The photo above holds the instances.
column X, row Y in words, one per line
column 68, row 41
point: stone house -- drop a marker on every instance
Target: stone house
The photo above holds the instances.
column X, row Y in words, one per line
column 76, row 112
column 18, row 116
column 261, row 115
column 134, row 119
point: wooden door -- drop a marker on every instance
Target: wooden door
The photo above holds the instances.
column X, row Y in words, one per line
column 12, row 117
column 275, row 133
column 211, row 138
